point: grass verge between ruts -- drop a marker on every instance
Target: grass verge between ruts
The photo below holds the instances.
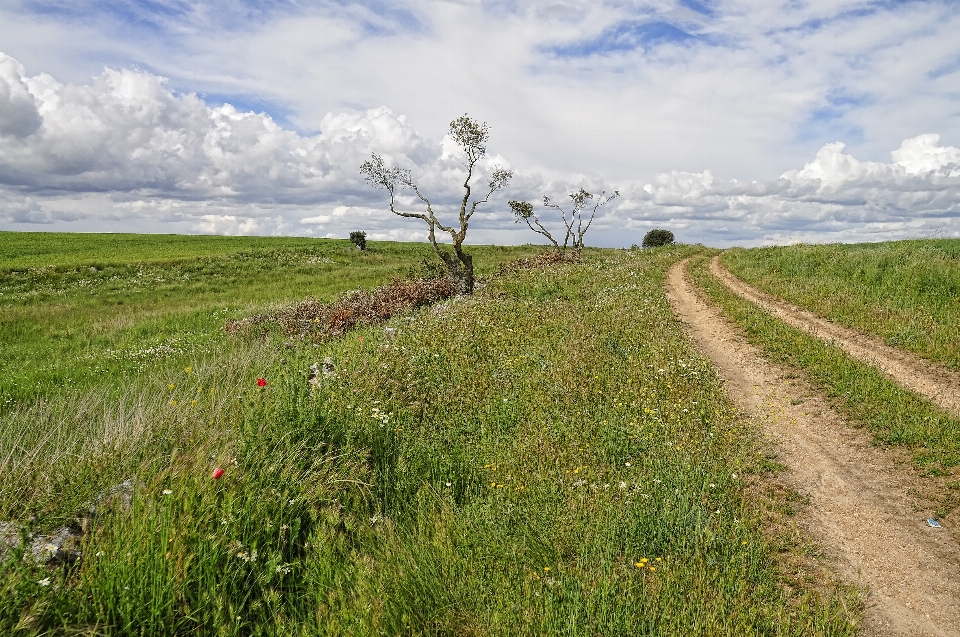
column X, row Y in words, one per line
column 548, row 457
column 905, row 292
column 894, row 415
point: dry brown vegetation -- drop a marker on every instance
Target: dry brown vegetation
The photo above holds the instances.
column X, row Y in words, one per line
column 544, row 260
column 321, row 320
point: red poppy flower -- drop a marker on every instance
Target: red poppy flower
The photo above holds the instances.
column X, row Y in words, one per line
column 261, row 382
column 218, row 473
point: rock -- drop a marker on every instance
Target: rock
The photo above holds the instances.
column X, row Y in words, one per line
column 118, row 496
column 390, row 331
column 10, row 537
column 63, row 544
column 328, row 368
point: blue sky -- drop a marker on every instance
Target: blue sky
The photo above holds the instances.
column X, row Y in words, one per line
column 617, row 94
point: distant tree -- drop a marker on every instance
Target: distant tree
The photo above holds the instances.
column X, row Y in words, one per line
column 657, row 237
column 576, row 225
column 472, row 138
column 359, row 239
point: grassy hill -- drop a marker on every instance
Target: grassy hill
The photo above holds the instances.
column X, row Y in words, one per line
column 549, row 456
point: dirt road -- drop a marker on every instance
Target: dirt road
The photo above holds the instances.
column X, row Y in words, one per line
column 934, row 382
column 860, row 509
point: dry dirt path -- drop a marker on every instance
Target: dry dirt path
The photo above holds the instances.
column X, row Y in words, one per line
column 934, row 382
column 860, row 509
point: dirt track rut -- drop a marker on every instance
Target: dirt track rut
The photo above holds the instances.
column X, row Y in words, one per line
column 860, row 509
column 934, row 382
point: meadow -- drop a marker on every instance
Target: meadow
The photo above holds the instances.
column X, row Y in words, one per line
column 906, row 292
column 85, row 310
column 548, row 456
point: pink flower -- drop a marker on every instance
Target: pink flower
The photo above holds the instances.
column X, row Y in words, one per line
column 218, row 473
column 261, row 382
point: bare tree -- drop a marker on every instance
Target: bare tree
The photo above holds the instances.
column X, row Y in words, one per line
column 523, row 211
column 472, row 138
column 576, row 225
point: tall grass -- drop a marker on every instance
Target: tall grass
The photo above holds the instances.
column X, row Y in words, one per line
column 906, row 292
column 550, row 456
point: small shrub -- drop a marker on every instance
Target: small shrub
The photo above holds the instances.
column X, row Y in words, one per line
column 359, row 239
column 657, row 237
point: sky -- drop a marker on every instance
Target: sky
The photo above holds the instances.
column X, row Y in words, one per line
column 742, row 122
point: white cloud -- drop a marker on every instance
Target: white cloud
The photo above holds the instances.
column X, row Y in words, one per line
column 127, row 131
column 127, row 151
column 922, row 154
column 834, row 197
column 832, row 168
column 19, row 116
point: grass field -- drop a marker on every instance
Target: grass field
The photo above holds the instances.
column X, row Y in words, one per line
column 907, row 292
column 549, row 456
column 895, row 416
column 77, row 310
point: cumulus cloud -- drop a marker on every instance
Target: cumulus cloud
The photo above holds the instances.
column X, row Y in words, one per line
column 128, row 132
column 833, row 197
column 135, row 146
column 19, row 116
column 922, row 154
column 127, row 151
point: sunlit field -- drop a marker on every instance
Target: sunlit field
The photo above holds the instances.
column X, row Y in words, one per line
column 79, row 310
column 907, row 292
column 548, row 456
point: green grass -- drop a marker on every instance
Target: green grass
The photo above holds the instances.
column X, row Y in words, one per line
column 895, row 416
column 159, row 297
column 24, row 250
column 906, row 292
column 550, row 456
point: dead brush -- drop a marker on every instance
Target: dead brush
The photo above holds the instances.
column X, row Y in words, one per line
column 320, row 320
column 545, row 260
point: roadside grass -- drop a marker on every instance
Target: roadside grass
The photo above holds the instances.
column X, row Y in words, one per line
column 153, row 298
column 906, row 292
column 550, row 456
column 895, row 416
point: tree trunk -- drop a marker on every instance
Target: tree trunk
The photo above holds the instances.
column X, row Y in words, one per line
column 465, row 281
column 459, row 269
